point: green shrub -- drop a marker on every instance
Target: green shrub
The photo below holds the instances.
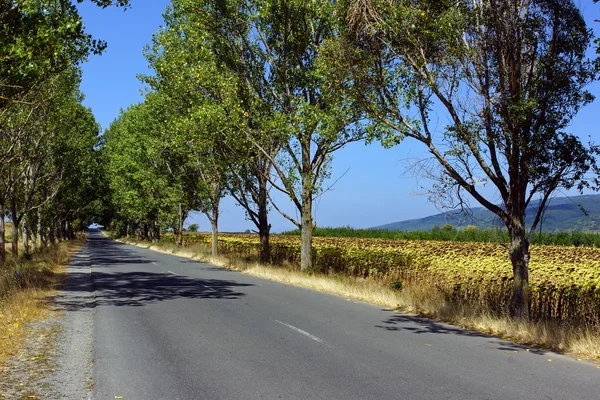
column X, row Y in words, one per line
column 447, row 228
column 474, row 234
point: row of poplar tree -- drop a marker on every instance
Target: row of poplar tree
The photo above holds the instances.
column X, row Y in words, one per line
column 48, row 139
column 252, row 97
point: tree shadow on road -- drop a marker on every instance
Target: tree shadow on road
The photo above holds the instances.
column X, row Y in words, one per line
column 137, row 289
column 421, row 325
column 108, row 253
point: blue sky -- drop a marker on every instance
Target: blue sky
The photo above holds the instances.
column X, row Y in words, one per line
column 375, row 190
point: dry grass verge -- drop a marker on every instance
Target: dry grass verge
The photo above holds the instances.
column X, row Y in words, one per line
column 413, row 299
column 8, row 230
column 26, row 289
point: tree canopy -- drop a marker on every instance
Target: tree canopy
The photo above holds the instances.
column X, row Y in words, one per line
column 506, row 78
column 247, row 98
column 48, row 140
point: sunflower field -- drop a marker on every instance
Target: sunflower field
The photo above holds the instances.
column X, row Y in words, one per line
column 565, row 281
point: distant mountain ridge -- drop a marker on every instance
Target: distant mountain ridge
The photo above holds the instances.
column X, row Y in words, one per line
column 562, row 214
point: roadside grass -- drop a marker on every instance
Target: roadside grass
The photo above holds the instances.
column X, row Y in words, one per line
column 414, row 299
column 26, row 288
column 8, row 239
column 8, row 230
column 8, row 250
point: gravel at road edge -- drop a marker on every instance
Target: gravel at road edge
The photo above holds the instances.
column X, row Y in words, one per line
column 72, row 379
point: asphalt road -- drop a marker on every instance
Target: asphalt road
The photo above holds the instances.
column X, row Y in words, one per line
column 165, row 327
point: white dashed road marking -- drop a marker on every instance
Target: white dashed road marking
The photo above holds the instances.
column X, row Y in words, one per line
column 313, row 337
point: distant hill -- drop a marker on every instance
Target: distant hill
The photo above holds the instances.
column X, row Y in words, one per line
column 562, row 214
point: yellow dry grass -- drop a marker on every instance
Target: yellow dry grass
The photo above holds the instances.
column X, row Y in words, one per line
column 8, row 248
column 26, row 289
column 8, row 229
column 414, row 299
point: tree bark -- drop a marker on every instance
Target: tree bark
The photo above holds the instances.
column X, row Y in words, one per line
column 264, row 229
column 34, row 237
column 144, row 232
column 52, row 233
column 14, row 251
column 26, row 248
column 519, row 257
column 156, row 232
column 58, row 233
column 263, row 234
column 44, row 237
column 306, row 261
column 180, row 227
column 40, row 230
column 2, row 236
column 307, row 237
column 63, row 230
column 215, row 234
column 151, row 232
column 70, row 232
column 213, row 217
column 180, row 237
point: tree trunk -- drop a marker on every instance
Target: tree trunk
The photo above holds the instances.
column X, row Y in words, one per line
column 215, row 233
column 63, row 230
column 34, row 237
column 180, row 227
column 44, row 237
column 306, row 261
column 144, row 231
column 57, row 235
column 26, row 248
column 52, row 233
column 264, row 229
column 306, row 225
column 150, row 232
column 213, row 216
column 519, row 257
column 265, row 250
column 2, row 236
column 14, row 251
column 40, row 230
column 70, row 232
column 179, row 237
column 15, row 241
column 155, row 232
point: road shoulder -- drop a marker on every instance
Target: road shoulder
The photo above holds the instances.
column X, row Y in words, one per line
column 56, row 360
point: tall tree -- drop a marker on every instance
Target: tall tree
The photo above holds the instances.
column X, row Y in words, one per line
column 187, row 75
column 272, row 50
column 39, row 40
column 32, row 130
column 195, row 47
column 140, row 187
column 505, row 79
